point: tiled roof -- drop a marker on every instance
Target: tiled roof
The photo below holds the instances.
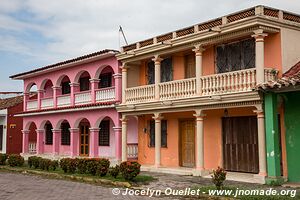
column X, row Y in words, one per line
column 66, row 62
column 289, row 79
column 10, row 102
column 71, row 107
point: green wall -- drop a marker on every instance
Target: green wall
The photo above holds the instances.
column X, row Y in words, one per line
column 292, row 125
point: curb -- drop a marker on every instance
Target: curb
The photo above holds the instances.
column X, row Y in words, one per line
column 70, row 177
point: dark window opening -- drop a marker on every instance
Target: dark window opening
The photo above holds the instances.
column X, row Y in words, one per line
column 150, row 72
column 65, row 134
column 104, row 133
column 190, row 66
column 235, row 56
column 164, row 130
column 49, row 134
column 1, row 136
column 105, row 80
column 166, row 71
column 84, row 84
column 65, row 88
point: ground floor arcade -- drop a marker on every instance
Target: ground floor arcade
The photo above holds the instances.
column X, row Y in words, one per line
column 199, row 140
column 84, row 133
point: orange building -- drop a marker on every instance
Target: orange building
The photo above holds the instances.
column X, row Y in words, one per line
column 192, row 92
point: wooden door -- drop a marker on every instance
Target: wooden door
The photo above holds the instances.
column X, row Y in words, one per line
column 84, row 140
column 1, row 137
column 240, row 145
column 187, row 143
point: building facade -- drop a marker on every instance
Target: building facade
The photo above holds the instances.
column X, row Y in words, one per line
column 10, row 125
column 282, row 125
column 73, row 112
column 192, row 92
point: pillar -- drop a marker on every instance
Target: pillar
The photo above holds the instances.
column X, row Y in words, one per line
column 124, row 138
column 74, row 141
column 94, row 86
column 25, row 99
column 259, row 55
column 157, row 60
column 56, row 92
column 94, row 142
column 40, row 94
column 261, row 143
column 198, row 54
column 74, row 89
column 25, row 144
column 199, row 140
column 157, row 117
column 40, row 135
column 118, row 143
column 118, row 87
column 124, row 83
column 56, row 141
column 272, row 137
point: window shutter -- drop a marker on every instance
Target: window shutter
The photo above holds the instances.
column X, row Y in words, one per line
column 104, row 133
column 152, row 133
column 150, row 72
column 164, row 130
column 65, row 134
column 49, row 134
column 166, row 71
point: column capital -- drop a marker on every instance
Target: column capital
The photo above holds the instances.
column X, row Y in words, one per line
column 198, row 50
column 94, row 80
column 259, row 35
column 117, row 128
column 56, row 87
column 38, row 131
column 124, row 66
column 40, row 90
column 157, row 59
column 260, row 113
column 74, row 84
column 25, row 131
column 56, row 130
column 74, row 130
column 199, row 113
column 94, row 129
column 118, row 75
column 157, row 116
column 124, row 119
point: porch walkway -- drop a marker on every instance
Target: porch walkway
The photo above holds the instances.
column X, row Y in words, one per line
column 232, row 176
column 181, row 182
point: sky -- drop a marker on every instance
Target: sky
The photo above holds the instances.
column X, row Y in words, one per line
column 35, row 33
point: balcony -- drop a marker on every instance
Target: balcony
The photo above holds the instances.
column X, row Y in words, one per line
column 80, row 98
column 216, row 84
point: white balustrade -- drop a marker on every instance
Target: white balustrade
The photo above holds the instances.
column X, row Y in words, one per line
column 105, row 94
column 32, row 147
column 132, row 151
column 32, row 105
column 64, row 100
column 140, row 94
column 237, row 81
column 83, row 97
column 47, row 103
column 271, row 74
column 177, row 89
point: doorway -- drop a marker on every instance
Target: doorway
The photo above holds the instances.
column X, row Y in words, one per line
column 187, row 143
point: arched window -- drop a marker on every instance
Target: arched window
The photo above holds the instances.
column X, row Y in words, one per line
column 49, row 134
column 65, row 133
column 104, row 133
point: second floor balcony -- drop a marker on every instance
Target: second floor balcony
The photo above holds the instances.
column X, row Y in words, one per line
column 216, row 84
column 83, row 90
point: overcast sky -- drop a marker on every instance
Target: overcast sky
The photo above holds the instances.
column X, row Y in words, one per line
column 34, row 33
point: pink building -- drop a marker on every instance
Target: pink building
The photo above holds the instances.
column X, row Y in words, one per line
column 73, row 112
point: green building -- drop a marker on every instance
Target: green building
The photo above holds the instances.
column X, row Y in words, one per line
column 282, row 115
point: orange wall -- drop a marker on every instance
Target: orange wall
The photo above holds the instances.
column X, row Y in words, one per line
column 212, row 137
column 273, row 57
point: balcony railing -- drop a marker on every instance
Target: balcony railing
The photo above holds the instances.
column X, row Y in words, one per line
column 63, row 100
column 105, row 94
column 83, row 97
column 132, row 151
column 101, row 95
column 32, row 104
column 216, row 84
column 47, row 103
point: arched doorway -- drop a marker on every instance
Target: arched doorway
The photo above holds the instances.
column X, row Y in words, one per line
column 84, row 137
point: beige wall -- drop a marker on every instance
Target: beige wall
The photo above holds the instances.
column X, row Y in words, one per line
column 290, row 48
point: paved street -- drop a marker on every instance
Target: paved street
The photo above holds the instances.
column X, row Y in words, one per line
column 27, row 187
